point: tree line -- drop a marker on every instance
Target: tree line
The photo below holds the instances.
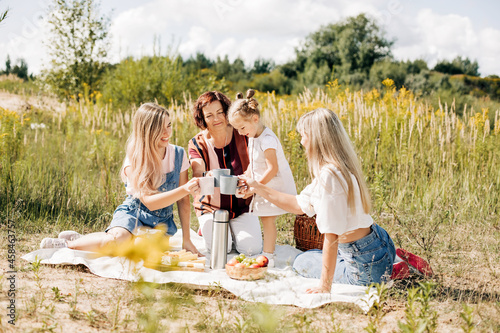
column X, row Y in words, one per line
column 354, row 51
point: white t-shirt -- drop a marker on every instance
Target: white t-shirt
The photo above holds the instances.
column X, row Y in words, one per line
column 167, row 165
column 326, row 198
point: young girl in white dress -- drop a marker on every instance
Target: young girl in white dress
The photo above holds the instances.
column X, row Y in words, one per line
column 268, row 164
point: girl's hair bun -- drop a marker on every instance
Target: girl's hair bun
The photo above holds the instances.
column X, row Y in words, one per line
column 244, row 107
column 250, row 93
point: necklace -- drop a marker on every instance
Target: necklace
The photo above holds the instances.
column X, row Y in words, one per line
column 224, row 148
column 225, row 141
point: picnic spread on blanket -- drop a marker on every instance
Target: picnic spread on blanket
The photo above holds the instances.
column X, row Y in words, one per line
column 279, row 285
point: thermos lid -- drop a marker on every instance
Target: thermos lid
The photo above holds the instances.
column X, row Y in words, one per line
column 221, row 215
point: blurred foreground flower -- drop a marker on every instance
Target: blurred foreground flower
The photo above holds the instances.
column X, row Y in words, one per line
column 148, row 245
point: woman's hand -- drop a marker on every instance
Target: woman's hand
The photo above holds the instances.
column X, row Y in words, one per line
column 192, row 186
column 324, row 287
column 189, row 246
column 319, row 290
column 284, row 201
column 248, row 182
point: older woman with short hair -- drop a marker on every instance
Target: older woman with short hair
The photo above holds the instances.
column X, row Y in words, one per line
column 219, row 146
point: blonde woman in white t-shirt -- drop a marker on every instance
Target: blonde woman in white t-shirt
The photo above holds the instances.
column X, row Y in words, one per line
column 268, row 164
column 355, row 250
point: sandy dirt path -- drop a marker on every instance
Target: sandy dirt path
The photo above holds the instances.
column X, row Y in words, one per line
column 22, row 103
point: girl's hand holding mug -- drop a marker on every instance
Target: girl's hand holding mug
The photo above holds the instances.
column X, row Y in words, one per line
column 244, row 190
column 241, row 182
column 248, row 182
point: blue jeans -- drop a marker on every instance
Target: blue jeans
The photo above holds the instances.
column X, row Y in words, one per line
column 133, row 218
column 367, row 260
column 132, row 213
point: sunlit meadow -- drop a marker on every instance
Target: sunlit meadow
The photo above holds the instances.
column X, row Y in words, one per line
column 434, row 178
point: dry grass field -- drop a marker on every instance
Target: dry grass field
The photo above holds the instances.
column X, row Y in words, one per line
column 433, row 175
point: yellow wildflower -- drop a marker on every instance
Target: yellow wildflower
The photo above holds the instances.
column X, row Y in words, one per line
column 388, row 83
column 149, row 247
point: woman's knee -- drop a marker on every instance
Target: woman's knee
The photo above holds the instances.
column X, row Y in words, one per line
column 118, row 235
column 247, row 234
column 249, row 246
column 309, row 264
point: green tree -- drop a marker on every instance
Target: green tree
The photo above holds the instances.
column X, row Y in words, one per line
column 458, row 66
column 313, row 76
column 348, row 48
column 77, row 44
column 393, row 70
column 230, row 71
column 399, row 71
column 8, row 67
column 421, row 83
column 222, row 66
column 135, row 81
column 261, row 66
column 198, row 63
column 273, row 81
column 20, row 69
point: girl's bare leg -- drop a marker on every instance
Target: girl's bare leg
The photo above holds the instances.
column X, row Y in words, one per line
column 97, row 240
column 270, row 234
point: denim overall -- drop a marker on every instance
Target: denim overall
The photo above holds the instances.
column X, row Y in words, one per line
column 132, row 213
column 367, row 260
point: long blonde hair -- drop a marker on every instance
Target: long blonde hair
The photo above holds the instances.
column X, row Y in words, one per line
column 329, row 144
column 142, row 149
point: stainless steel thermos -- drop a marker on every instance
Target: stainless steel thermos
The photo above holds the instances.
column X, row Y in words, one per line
column 219, row 239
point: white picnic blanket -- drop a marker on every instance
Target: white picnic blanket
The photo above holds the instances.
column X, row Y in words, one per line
column 280, row 286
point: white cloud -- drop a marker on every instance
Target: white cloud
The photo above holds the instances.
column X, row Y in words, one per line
column 489, row 41
column 227, row 46
column 237, row 28
column 232, row 27
column 27, row 43
column 272, row 29
column 287, row 51
column 449, row 34
column 133, row 32
column 200, row 40
column 489, row 48
column 435, row 37
column 250, row 49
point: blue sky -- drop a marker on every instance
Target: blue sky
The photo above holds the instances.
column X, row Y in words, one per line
column 432, row 30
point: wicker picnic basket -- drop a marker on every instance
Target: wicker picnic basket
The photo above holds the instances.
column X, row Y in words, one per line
column 306, row 233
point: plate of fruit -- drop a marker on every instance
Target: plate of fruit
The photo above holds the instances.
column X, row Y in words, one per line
column 243, row 268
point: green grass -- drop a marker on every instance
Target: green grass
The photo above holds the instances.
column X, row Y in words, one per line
column 15, row 85
column 434, row 178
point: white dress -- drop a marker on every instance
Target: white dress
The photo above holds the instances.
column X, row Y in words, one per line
column 283, row 181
